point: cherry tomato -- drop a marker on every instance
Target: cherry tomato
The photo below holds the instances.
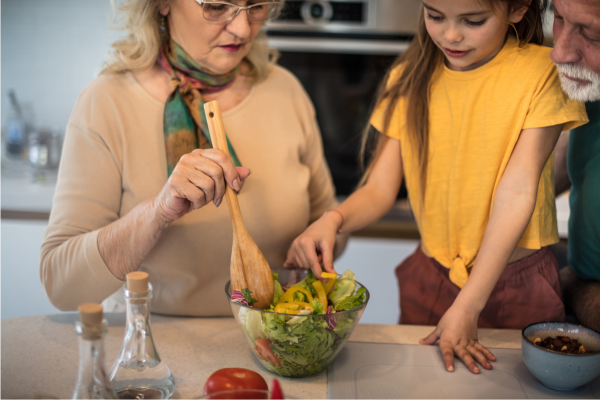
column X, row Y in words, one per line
column 235, row 379
column 263, row 348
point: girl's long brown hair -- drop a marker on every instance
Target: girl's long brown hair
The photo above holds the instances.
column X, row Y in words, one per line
column 420, row 64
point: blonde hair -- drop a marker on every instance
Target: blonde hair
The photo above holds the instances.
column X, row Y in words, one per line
column 140, row 48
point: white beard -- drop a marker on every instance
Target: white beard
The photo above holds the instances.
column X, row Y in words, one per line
column 576, row 90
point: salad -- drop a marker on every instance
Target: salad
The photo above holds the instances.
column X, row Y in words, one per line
column 307, row 323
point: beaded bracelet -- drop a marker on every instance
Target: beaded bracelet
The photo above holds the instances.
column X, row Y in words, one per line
column 341, row 215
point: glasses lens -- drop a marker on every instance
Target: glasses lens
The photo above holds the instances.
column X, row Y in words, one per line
column 261, row 11
column 218, row 11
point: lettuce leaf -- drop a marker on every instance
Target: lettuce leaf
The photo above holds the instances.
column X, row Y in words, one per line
column 352, row 301
column 344, row 287
column 317, row 307
column 252, row 323
column 277, row 290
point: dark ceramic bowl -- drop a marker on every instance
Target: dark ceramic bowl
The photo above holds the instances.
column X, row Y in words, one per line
column 556, row 370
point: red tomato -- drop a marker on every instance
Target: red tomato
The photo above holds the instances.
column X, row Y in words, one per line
column 235, row 379
column 263, row 348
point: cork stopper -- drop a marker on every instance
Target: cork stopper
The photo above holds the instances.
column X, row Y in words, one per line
column 90, row 314
column 137, row 282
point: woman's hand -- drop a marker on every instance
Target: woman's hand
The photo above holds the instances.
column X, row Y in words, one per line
column 457, row 333
column 315, row 245
column 198, row 178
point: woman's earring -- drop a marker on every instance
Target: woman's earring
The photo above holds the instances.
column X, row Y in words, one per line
column 163, row 25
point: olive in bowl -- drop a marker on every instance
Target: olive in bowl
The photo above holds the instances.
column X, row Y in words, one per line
column 558, row 368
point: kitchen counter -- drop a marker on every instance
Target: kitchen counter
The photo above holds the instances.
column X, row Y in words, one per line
column 40, row 354
column 25, row 197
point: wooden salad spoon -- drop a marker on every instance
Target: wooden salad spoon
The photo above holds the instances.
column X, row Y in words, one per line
column 249, row 268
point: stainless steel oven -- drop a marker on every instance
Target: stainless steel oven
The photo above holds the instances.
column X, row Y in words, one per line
column 340, row 51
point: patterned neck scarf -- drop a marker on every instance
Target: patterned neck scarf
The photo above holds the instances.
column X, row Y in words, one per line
column 185, row 126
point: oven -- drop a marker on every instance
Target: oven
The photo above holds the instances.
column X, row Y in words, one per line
column 340, row 50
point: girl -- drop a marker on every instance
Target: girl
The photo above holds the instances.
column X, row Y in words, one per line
column 469, row 116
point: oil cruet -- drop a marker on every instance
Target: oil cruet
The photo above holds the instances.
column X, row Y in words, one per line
column 92, row 380
column 138, row 372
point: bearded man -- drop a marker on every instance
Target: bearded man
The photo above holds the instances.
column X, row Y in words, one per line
column 577, row 57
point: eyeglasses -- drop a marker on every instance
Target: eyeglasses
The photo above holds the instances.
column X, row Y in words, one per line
column 222, row 11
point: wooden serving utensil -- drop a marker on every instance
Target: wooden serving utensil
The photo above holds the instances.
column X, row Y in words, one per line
column 249, row 268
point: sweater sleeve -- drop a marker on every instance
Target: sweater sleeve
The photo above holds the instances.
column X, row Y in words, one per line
column 87, row 198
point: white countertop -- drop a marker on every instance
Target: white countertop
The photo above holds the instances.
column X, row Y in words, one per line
column 40, row 354
column 24, row 189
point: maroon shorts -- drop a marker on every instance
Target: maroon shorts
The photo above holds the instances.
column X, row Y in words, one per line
column 528, row 291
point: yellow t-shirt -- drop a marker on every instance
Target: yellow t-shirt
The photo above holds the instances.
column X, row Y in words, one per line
column 475, row 120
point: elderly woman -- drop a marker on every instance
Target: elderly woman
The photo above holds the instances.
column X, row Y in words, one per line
column 139, row 185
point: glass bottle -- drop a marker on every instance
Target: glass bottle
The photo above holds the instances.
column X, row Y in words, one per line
column 138, row 372
column 92, row 381
column 15, row 127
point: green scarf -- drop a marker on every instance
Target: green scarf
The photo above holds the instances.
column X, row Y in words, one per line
column 185, row 126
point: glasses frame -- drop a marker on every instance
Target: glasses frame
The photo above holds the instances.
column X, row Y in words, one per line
column 237, row 9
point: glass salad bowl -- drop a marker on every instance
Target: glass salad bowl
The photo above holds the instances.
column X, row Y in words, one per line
column 297, row 345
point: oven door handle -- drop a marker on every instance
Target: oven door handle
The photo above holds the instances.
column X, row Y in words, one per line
column 338, row 46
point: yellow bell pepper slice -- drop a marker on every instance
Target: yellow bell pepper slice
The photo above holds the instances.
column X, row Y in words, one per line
column 332, row 278
column 289, row 305
column 321, row 293
column 284, row 310
column 289, row 295
column 301, row 304
column 329, row 285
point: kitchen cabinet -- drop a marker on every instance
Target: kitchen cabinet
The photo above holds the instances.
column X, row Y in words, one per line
column 22, row 290
column 373, row 262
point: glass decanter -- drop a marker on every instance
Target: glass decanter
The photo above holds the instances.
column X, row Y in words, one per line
column 138, row 372
column 92, row 380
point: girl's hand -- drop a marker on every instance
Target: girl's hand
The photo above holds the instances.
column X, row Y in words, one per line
column 457, row 333
column 198, row 178
column 315, row 245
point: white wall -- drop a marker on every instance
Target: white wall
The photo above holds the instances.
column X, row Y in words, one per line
column 51, row 49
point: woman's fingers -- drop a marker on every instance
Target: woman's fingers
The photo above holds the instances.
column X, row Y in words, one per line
column 191, row 193
column 479, row 356
column 243, row 172
column 466, row 358
column 209, row 183
column 199, row 177
column 229, row 170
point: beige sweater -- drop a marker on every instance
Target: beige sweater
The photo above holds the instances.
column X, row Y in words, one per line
column 114, row 158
